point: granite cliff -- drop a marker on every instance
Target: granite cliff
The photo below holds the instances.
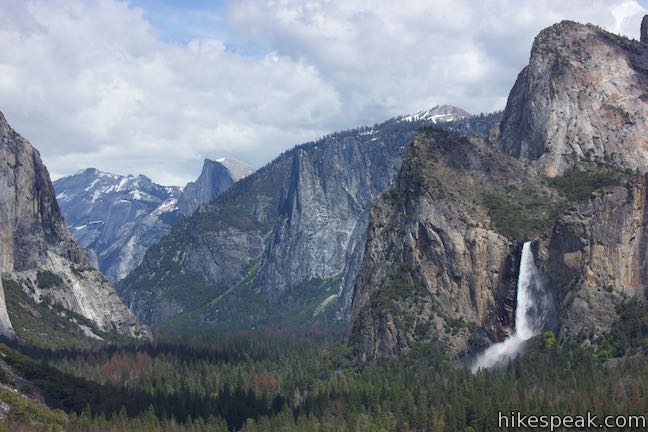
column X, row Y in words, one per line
column 440, row 261
column 216, row 177
column 563, row 168
column 594, row 258
column 41, row 263
column 583, row 95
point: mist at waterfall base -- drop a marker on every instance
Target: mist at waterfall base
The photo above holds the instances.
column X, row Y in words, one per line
column 533, row 312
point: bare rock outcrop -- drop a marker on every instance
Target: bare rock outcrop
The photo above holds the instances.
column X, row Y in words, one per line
column 34, row 237
column 6, row 328
column 595, row 258
column 216, row 177
column 30, row 221
column 435, row 268
column 584, row 94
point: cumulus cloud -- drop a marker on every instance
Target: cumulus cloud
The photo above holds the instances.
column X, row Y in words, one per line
column 97, row 83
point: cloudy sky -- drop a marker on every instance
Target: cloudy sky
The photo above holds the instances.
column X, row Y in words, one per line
column 155, row 86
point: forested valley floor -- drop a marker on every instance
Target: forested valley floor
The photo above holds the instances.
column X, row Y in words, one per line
column 310, row 382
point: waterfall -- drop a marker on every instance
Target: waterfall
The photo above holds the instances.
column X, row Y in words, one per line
column 532, row 313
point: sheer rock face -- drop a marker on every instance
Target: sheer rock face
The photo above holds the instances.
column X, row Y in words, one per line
column 6, row 328
column 583, row 94
column 433, row 268
column 216, row 177
column 296, row 217
column 451, row 266
column 33, row 236
column 325, row 201
column 30, row 222
column 581, row 101
column 595, row 258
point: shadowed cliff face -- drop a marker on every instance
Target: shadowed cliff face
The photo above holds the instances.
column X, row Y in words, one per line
column 595, row 258
column 30, row 221
column 216, row 177
column 583, row 94
column 329, row 190
column 435, row 267
column 33, row 237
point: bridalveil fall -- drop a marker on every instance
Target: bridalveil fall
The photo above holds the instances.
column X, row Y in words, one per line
column 532, row 313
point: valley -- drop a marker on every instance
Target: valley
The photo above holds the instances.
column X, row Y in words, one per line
column 420, row 274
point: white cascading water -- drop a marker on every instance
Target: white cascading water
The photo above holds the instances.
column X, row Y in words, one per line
column 532, row 311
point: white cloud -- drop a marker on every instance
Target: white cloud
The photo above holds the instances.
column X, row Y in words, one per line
column 95, row 84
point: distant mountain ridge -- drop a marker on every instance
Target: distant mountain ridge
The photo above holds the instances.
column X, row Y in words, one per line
column 438, row 114
column 283, row 243
column 119, row 217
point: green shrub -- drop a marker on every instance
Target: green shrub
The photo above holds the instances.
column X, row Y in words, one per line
column 629, row 334
column 520, row 214
column 577, row 184
column 47, row 279
column 549, row 339
column 32, row 413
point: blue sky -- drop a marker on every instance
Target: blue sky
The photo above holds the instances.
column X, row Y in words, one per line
column 155, row 86
column 182, row 21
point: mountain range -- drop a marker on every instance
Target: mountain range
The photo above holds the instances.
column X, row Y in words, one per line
column 281, row 246
column 117, row 218
column 338, row 230
column 403, row 232
column 386, row 277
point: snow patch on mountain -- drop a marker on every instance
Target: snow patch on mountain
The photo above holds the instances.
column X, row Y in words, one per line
column 120, row 217
column 117, row 217
column 438, row 114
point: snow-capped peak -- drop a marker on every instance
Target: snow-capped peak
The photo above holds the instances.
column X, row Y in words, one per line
column 90, row 185
column 438, row 114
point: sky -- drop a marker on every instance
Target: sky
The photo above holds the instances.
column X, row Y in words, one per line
column 155, row 86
